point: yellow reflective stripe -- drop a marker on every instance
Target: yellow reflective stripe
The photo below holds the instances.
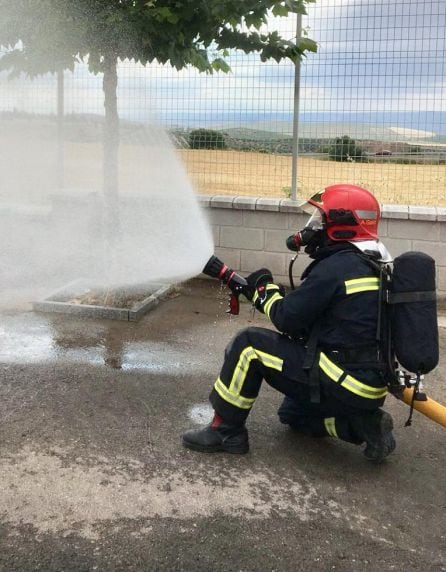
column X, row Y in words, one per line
column 270, row 302
column 355, row 386
column 331, row 369
column 236, row 400
column 241, row 369
column 268, row 287
column 335, row 373
column 361, row 285
column 269, row 360
column 330, row 426
column 232, row 394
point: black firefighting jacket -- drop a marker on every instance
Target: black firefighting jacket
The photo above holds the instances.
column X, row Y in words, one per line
column 339, row 296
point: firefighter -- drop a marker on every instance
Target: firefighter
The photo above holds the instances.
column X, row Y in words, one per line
column 326, row 356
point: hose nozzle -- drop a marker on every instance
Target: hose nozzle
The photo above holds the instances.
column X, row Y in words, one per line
column 214, row 268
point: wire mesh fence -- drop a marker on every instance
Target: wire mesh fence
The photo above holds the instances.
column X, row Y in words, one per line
column 372, row 111
column 374, row 98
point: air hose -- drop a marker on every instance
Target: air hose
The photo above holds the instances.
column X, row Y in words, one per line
column 290, row 271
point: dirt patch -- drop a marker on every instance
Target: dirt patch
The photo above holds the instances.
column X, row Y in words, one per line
column 115, row 298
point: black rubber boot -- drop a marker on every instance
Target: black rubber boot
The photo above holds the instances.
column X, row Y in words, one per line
column 376, row 430
column 224, row 438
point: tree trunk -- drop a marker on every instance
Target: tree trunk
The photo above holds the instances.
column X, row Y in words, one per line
column 111, row 129
column 110, row 216
column 60, row 167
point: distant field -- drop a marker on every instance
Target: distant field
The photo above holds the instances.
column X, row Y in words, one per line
column 225, row 172
column 266, row 175
column 258, row 174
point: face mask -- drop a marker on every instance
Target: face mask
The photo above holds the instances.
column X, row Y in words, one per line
column 310, row 236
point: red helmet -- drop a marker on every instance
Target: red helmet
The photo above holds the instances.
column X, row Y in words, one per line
column 352, row 213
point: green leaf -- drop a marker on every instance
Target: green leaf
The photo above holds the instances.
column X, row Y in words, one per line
column 220, row 64
column 254, row 21
column 280, row 10
column 307, row 45
column 165, row 14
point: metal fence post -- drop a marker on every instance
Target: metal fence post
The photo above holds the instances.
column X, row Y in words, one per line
column 296, row 114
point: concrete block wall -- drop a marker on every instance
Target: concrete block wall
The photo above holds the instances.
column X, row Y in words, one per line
column 250, row 233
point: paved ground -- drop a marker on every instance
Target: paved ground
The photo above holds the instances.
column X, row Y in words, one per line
column 93, row 477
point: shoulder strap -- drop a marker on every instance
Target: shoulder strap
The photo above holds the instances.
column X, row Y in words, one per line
column 402, row 297
column 310, row 364
column 373, row 263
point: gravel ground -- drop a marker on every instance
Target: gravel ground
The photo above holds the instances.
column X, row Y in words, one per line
column 93, row 476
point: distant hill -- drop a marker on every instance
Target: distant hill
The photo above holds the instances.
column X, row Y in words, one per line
column 314, row 140
column 266, row 132
column 320, row 130
column 422, row 126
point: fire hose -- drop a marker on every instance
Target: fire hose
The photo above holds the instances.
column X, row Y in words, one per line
column 428, row 407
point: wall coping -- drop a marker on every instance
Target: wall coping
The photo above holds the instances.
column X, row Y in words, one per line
column 287, row 205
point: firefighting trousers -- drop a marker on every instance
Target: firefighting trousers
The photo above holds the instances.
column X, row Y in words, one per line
column 257, row 354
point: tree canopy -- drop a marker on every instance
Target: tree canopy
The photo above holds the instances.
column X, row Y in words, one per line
column 48, row 36
column 54, row 34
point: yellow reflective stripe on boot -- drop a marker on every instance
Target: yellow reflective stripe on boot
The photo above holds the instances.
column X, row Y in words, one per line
column 334, row 372
column 236, row 400
column 361, row 285
column 330, row 426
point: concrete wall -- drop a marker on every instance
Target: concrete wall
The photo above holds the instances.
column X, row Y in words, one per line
column 250, row 233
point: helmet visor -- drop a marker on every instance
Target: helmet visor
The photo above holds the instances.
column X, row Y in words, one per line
column 316, row 220
column 308, row 205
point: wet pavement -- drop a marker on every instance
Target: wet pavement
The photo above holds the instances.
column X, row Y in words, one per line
column 93, row 476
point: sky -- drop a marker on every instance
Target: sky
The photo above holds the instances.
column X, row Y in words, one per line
column 373, row 56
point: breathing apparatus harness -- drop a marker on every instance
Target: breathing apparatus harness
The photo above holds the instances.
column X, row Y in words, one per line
column 362, row 357
column 406, row 298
